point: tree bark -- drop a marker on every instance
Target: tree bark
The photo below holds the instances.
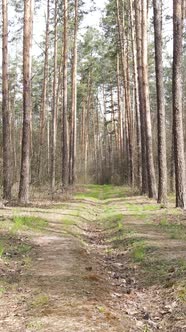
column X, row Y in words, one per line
column 65, row 148
column 136, row 99
column 162, row 158
column 149, row 150
column 177, row 104
column 125, row 75
column 44, row 97
column 7, row 176
column 73, row 132
column 25, row 157
column 13, row 138
column 120, row 115
column 54, row 107
column 138, row 30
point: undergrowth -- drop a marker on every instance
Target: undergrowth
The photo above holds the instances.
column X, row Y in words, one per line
column 27, row 222
column 175, row 230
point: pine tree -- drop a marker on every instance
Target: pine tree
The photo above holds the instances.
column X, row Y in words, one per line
column 7, row 176
column 25, row 155
column 162, row 160
column 177, row 104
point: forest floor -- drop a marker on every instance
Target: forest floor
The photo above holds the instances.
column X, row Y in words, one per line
column 105, row 260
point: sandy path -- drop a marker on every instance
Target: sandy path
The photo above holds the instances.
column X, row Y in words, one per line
column 64, row 290
column 78, row 281
column 78, row 299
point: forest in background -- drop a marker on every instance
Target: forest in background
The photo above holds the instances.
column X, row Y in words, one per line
column 105, row 106
column 92, row 137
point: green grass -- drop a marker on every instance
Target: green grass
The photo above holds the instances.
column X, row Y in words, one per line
column 27, row 261
column 104, row 192
column 2, row 290
column 2, row 249
column 182, row 295
column 24, row 248
column 86, row 196
column 10, row 248
column 111, row 218
column 68, row 222
column 101, row 309
column 34, row 326
column 40, row 301
column 175, row 230
column 28, row 222
column 182, row 265
column 57, row 206
column 142, row 207
column 138, row 251
column 157, row 271
column 152, row 265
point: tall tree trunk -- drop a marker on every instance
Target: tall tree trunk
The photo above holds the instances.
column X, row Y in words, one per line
column 149, row 149
column 172, row 163
column 54, row 108
column 138, row 30
column 73, row 132
column 125, row 74
column 13, row 137
column 65, row 150
column 177, row 104
column 59, row 93
column 120, row 114
column 113, row 133
column 105, row 139
column 136, row 99
column 31, row 105
column 7, row 181
column 44, row 97
column 162, row 159
column 130, row 120
column 25, row 157
column 87, row 125
column 83, row 129
column 48, row 143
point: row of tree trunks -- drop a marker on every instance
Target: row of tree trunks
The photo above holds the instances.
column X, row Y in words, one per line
column 128, row 128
